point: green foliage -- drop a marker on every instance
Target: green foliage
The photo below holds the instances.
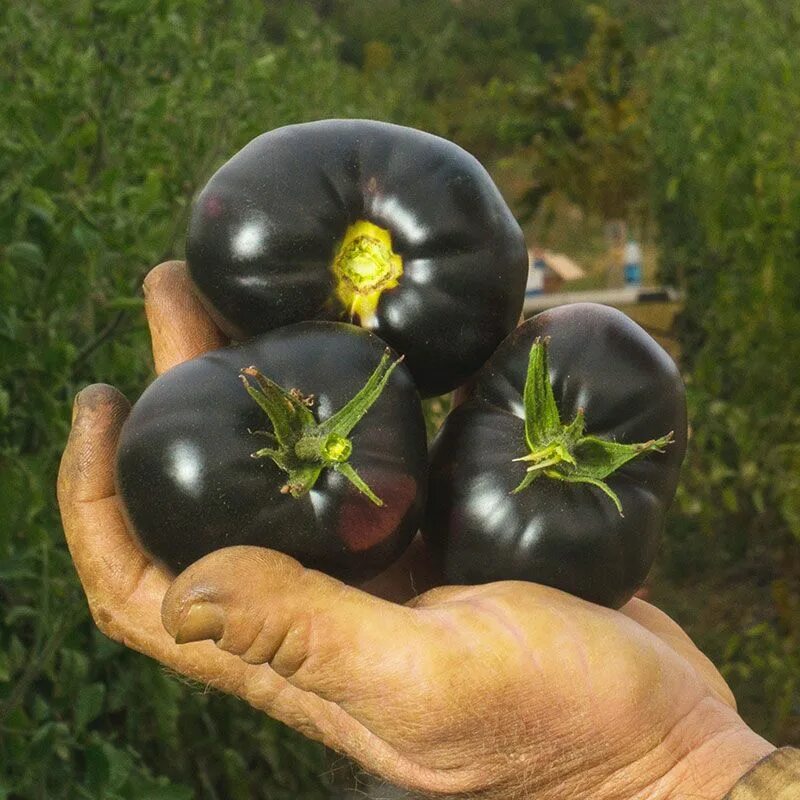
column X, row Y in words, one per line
column 113, row 114
column 729, row 194
column 728, row 200
column 597, row 153
column 583, row 128
column 765, row 657
column 724, row 110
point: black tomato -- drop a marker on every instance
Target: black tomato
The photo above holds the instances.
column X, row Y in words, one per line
column 387, row 227
column 309, row 440
column 561, row 464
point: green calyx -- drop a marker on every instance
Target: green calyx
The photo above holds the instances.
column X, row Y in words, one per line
column 563, row 452
column 303, row 447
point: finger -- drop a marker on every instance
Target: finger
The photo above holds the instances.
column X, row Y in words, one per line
column 125, row 589
column 321, row 635
column 108, row 560
column 180, row 327
column 663, row 626
column 87, row 466
column 655, row 620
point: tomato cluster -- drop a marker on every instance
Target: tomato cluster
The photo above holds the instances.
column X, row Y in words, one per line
column 358, row 265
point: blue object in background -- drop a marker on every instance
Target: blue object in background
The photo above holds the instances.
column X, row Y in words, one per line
column 536, row 277
column 633, row 274
column 632, row 271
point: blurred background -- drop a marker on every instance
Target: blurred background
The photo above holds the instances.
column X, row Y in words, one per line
column 651, row 151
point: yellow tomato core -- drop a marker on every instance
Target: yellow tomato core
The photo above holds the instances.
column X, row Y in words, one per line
column 364, row 267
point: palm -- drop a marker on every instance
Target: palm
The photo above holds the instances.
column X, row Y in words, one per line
column 411, row 691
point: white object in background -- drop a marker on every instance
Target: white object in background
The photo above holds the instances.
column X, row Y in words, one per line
column 536, row 272
column 624, row 296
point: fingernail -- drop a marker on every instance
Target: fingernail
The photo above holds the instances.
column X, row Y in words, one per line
column 146, row 284
column 202, row 621
column 76, row 405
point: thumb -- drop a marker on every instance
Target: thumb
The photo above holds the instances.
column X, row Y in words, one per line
column 322, row 636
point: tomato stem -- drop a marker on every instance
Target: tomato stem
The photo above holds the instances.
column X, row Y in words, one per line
column 564, row 452
column 365, row 266
column 301, row 446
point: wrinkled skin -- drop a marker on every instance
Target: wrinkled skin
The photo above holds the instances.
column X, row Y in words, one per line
column 506, row 690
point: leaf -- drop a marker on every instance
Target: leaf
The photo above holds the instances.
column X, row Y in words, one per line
column 542, row 421
column 286, row 412
column 40, row 205
column 119, row 765
column 48, row 734
column 122, row 303
column 26, row 255
column 347, row 417
column 10, row 571
column 174, row 792
column 598, row 458
column 730, row 500
column 98, row 768
column 350, row 473
column 578, row 477
column 88, row 239
column 40, row 711
column 20, row 612
column 73, row 669
column 672, row 188
column 89, row 705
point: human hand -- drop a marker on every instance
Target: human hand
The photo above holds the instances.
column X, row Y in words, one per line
column 498, row 691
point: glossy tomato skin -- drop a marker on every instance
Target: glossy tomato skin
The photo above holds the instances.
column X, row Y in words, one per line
column 265, row 230
column 190, row 486
column 569, row 536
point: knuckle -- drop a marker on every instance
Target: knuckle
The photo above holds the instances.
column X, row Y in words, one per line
column 104, row 620
column 294, row 649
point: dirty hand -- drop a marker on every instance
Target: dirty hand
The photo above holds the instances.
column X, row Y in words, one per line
column 507, row 690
